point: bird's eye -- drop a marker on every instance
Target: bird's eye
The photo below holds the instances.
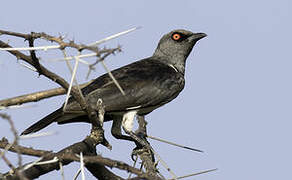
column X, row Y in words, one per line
column 176, row 36
column 179, row 37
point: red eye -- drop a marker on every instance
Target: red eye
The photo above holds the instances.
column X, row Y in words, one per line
column 176, row 36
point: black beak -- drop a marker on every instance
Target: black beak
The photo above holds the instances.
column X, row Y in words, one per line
column 197, row 36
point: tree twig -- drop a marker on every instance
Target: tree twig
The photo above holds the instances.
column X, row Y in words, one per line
column 16, row 137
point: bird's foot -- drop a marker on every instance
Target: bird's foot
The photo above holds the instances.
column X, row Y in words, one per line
column 146, row 154
column 139, row 150
column 142, row 146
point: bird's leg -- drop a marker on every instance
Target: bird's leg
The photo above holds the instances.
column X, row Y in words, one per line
column 139, row 137
column 143, row 148
column 127, row 124
column 116, row 130
column 142, row 133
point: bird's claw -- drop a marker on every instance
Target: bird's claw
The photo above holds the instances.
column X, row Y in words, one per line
column 136, row 151
column 140, row 149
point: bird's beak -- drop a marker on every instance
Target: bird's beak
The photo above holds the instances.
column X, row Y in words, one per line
column 197, row 36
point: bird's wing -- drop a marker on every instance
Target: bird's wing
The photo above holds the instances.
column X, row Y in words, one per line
column 146, row 83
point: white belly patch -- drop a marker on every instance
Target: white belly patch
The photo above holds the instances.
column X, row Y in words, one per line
column 128, row 120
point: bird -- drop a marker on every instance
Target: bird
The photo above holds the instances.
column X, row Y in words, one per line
column 148, row 84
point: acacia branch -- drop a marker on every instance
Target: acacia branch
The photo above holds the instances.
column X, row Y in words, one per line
column 95, row 164
column 34, row 61
column 68, row 155
column 54, row 77
column 96, row 126
column 37, row 96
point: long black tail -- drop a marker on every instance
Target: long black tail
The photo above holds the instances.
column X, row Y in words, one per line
column 43, row 122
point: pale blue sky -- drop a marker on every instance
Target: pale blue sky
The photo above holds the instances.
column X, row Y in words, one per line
column 236, row 105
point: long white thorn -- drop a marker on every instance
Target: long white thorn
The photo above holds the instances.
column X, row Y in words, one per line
column 174, row 144
column 28, row 66
column 32, row 164
column 58, row 46
column 31, row 48
column 17, row 106
column 71, row 71
column 82, row 166
column 75, row 79
column 195, row 174
column 164, row 164
column 113, row 78
column 113, row 36
column 95, row 44
column 67, row 62
column 77, row 174
column 71, row 83
column 74, row 57
column 62, row 170
column 55, row 159
column 91, row 44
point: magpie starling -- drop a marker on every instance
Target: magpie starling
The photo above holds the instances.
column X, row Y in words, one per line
column 148, row 84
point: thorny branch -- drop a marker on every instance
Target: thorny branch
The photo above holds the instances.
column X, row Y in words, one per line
column 37, row 96
column 34, row 61
column 66, row 156
column 88, row 145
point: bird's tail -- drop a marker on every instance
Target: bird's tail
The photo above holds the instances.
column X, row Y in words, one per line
column 43, row 122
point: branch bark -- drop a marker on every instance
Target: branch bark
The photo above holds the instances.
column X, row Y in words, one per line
column 93, row 162
column 37, row 96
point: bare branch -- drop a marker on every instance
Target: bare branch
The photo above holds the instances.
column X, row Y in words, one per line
column 23, row 150
column 37, row 96
column 67, row 155
column 54, row 77
column 33, row 60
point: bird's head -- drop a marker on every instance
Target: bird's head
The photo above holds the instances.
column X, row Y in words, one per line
column 176, row 46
